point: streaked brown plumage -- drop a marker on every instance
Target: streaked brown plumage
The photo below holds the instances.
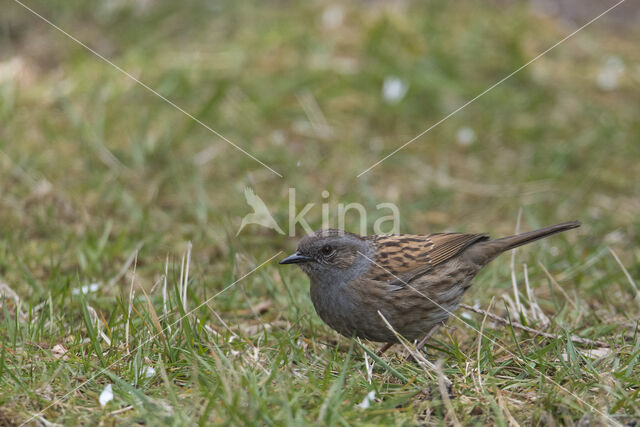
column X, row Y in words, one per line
column 415, row 281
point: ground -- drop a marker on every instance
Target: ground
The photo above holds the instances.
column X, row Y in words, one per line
column 107, row 189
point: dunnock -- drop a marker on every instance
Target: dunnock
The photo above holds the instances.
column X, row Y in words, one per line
column 415, row 281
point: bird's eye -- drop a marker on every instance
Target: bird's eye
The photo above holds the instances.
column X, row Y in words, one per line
column 327, row 250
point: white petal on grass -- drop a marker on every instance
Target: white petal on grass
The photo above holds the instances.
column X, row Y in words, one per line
column 465, row 136
column 278, row 137
column 394, row 89
column 302, row 344
column 615, row 237
column 10, row 69
column 59, row 352
column 332, row 17
column 597, row 352
column 366, row 402
column 106, row 396
column 148, row 371
column 610, row 73
column 594, row 353
column 85, row 289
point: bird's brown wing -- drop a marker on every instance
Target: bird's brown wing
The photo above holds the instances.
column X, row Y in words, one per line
column 401, row 258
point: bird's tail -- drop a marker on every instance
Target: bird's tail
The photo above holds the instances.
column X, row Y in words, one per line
column 484, row 252
column 511, row 242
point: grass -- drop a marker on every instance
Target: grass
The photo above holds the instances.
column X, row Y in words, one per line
column 100, row 178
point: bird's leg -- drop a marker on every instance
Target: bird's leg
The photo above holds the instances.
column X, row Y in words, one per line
column 384, row 348
column 423, row 341
column 388, row 345
column 426, row 337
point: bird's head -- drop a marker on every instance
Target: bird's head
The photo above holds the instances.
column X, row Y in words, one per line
column 332, row 256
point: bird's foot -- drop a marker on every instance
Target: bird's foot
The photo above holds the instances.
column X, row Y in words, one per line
column 384, row 348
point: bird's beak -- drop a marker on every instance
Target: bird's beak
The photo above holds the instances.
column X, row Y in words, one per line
column 296, row 258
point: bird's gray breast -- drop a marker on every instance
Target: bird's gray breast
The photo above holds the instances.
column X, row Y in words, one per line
column 333, row 298
column 335, row 308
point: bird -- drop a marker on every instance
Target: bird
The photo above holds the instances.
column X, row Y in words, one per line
column 260, row 215
column 414, row 283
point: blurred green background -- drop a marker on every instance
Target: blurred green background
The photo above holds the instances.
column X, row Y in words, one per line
column 93, row 166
